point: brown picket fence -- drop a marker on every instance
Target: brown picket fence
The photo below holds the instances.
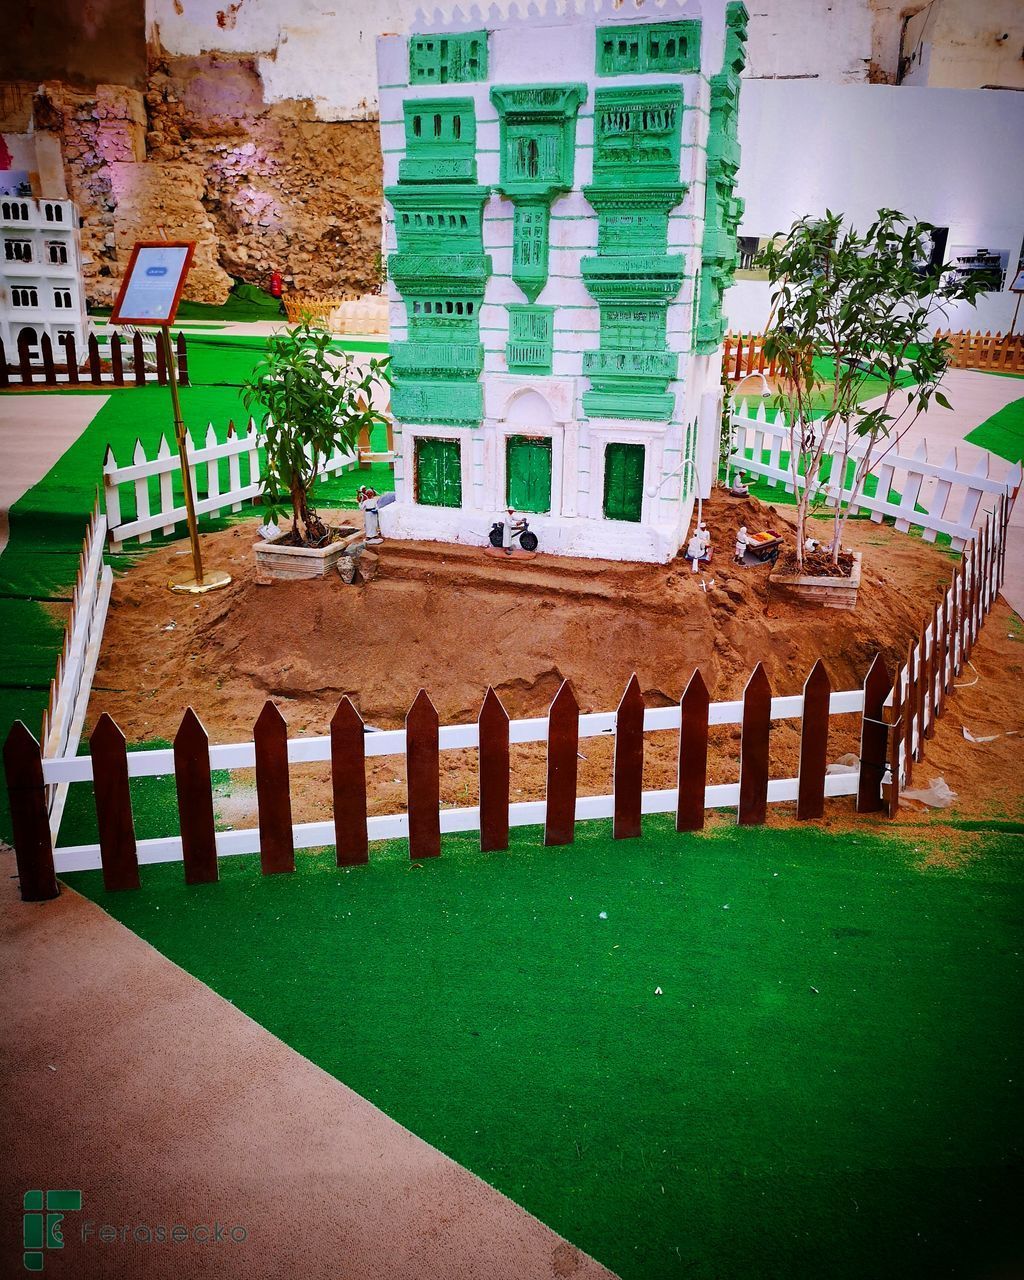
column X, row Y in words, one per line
column 898, row 712
column 121, row 369
column 743, row 354
column 998, row 351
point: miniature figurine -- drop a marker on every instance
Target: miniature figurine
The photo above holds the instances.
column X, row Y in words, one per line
column 509, row 528
column 739, row 489
column 741, row 544
column 368, row 500
column 695, row 550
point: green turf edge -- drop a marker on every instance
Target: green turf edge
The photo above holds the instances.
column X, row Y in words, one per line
column 830, row 1083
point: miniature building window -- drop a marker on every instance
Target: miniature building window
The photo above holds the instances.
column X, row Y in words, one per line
column 56, row 251
column 652, row 46
column 453, row 59
column 62, row 298
column 438, row 472
column 623, row 481
column 528, row 473
column 440, row 141
column 633, row 328
column 53, row 213
column 14, row 211
column 530, row 339
column 18, row 250
column 24, row 297
column 638, row 127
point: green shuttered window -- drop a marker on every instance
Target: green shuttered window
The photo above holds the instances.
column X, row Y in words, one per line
column 623, row 481
column 438, row 472
column 528, row 467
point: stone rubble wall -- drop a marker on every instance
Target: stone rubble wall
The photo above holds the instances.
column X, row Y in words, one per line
column 201, row 156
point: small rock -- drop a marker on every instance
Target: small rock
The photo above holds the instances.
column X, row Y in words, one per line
column 368, row 564
column 347, row 569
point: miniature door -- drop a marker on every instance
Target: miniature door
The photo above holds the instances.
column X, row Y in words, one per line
column 438, row 472
column 623, row 481
column 528, row 473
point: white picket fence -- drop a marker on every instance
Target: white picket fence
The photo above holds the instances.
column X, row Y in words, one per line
column 245, row 466
column 950, row 498
column 71, row 685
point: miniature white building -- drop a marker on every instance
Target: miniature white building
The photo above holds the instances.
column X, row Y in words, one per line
column 560, row 226
column 41, row 290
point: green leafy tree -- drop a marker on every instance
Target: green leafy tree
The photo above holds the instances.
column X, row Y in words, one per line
column 851, row 314
column 314, row 401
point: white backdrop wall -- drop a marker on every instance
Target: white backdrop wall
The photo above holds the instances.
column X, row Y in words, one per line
column 950, row 156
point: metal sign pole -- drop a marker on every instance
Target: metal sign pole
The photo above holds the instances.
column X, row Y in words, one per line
column 197, row 582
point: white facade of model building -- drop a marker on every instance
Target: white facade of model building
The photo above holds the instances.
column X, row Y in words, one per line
column 41, row 288
column 680, row 449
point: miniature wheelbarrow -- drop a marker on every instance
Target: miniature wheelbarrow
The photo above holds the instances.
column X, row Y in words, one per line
column 765, row 547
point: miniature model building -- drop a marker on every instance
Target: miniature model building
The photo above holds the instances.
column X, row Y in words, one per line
column 41, row 288
column 560, row 229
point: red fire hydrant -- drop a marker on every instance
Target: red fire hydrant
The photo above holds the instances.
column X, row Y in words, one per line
column 275, row 284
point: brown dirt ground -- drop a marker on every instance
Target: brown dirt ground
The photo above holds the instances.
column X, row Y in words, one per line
column 453, row 620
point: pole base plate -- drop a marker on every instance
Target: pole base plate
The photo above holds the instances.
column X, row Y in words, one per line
column 189, row 584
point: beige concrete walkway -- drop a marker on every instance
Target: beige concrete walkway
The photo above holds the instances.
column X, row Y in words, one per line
column 35, row 431
column 975, row 397
column 128, row 1080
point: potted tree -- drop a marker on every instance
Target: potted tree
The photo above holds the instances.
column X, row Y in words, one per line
column 314, row 403
column 853, row 318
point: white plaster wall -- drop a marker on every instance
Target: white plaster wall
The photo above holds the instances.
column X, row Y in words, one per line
column 949, row 156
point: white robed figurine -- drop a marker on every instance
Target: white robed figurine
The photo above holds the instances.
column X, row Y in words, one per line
column 741, row 543
column 368, row 505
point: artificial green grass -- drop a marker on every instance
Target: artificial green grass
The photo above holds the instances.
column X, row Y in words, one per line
column 1003, row 433
column 828, row 1085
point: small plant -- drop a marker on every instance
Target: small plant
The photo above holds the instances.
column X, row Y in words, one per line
column 849, row 310
column 315, row 401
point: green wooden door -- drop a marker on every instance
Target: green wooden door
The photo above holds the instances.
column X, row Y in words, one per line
column 623, row 481
column 528, row 469
column 438, row 472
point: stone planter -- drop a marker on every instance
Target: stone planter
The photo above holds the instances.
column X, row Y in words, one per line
column 829, row 593
column 276, row 563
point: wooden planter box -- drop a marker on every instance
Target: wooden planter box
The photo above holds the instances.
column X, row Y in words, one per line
column 830, row 593
column 275, row 563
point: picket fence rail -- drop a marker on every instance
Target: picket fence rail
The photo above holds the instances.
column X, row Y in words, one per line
column 1004, row 352
column 243, row 454
column 926, row 680
column 71, row 685
column 110, row 766
column 104, row 364
column 743, row 354
column 754, row 435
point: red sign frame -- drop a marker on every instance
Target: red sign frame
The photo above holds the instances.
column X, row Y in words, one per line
column 117, row 318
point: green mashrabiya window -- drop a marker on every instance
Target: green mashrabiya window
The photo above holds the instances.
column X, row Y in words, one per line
column 623, row 481
column 528, row 468
column 438, row 472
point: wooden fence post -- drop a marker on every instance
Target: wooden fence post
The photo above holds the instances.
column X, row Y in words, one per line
column 813, row 744
column 628, row 766
column 139, row 360
column 895, row 738
column 161, row 363
column 95, row 368
column 49, row 368
column 71, row 359
column 116, row 362
column 874, row 735
column 692, row 771
column 922, row 690
column 25, row 361
column 932, row 669
column 30, row 820
column 563, row 745
column 909, row 709
column 182, row 353
column 112, row 795
column 348, row 783
column 424, row 778
column 754, row 736
column 195, row 800
column 273, row 792
column 492, row 725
